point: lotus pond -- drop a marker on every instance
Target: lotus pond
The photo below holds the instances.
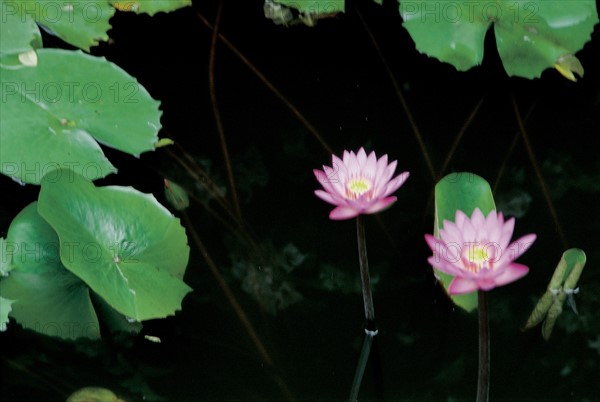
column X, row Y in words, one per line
column 204, row 267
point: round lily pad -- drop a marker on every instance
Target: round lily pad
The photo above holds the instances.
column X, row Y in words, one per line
column 531, row 35
column 122, row 243
column 80, row 23
column 54, row 114
column 47, row 298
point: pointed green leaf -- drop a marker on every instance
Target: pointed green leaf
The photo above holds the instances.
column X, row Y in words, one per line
column 150, row 6
column 176, row 195
column 462, row 191
column 531, row 35
column 47, row 298
column 565, row 277
column 81, row 23
column 125, row 245
column 19, row 35
column 51, row 115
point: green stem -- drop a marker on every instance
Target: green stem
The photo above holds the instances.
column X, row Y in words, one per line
column 370, row 330
column 483, row 380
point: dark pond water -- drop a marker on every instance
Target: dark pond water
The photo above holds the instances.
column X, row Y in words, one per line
column 296, row 279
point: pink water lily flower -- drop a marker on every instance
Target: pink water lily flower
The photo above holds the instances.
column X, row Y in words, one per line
column 358, row 184
column 476, row 251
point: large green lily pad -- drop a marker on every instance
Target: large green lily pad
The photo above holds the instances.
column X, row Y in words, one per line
column 531, row 35
column 47, row 298
column 52, row 116
column 462, row 191
column 122, row 243
column 82, row 23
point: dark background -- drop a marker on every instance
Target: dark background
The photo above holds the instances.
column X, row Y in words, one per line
column 426, row 349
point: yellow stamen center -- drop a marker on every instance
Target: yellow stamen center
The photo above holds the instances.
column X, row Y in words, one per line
column 357, row 187
column 478, row 255
column 476, row 258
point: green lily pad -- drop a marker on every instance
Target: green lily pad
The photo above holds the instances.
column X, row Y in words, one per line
column 47, row 297
column 315, row 6
column 81, row 23
column 462, row 191
column 52, row 116
column 19, row 36
column 150, row 7
column 122, row 243
column 531, row 35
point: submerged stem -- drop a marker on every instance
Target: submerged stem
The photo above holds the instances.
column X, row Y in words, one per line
column 362, row 363
column 370, row 330
column 483, row 380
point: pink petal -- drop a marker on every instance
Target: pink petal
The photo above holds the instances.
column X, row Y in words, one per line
column 460, row 219
column 451, row 233
column 333, row 187
column 460, row 285
column 389, row 172
column 343, row 212
column 380, row 205
column 506, row 232
column 320, row 175
column 518, row 247
column 477, row 218
column 395, row 183
column 382, row 164
column 347, row 156
column 325, row 196
column 370, row 168
column 511, row 273
column 361, row 157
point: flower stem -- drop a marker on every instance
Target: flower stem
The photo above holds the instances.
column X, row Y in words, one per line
column 483, row 381
column 364, row 272
column 370, row 330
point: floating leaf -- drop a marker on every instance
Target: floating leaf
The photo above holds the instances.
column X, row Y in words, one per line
column 51, row 115
column 81, row 23
column 19, row 36
column 124, row 245
column 531, row 35
column 47, row 297
column 150, row 7
column 460, row 191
